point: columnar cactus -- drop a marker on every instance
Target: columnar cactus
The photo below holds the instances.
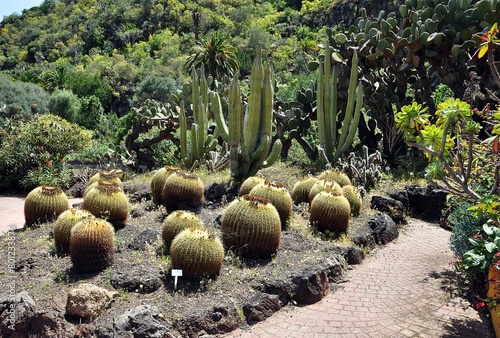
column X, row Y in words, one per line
column 92, row 245
column 63, row 225
column 249, row 184
column 301, row 189
column 327, row 185
column 330, row 212
column 198, row 253
column 252, row 225
column 44, row 203
column 176, row 222
column 109, row 202
column 279, row 196
column 354, row 197
column 248, row 132
column 183, row 190
column 158, row 181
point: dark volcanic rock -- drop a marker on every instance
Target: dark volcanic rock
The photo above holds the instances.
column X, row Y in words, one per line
column 426, row 203
column 402, row 196
column 390, row 206
column 383, row 227
column 365, row 239
column 261, row 306
column 137, row 192
column 218, row 320
column 146, row 237
column 142, row 322
column 144, row 280
column 355, row 255
column 312, row 286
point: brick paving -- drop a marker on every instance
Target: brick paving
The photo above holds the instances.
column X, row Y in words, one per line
column 404, row 289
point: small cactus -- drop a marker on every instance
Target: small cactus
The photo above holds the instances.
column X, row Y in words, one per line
column 249, row 184
column 176, row 222
column 63, row 225
column 44, row 203
column 92, row 245
column 354, row 197
column 183, row 190
column 252, row 225
column 197, row 253
column 109, row 202
column 108, row 175
column 278, row 195
column 158, row 181
column 301, row 189
column 327, row 185
column 336, row 175
column 330, row 212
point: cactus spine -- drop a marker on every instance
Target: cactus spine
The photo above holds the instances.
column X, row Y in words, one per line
column 158, row 181
column 44, row 203
column 354, row 197
column 330, row 212
column 334, row 144
column 63, row 225
column 109, row 202
column 301, row 189
column 327, row 185
column 336, row 175
column 249, row 184
column 183, row 190
column 249, row 138
column 279, row 196
column 176, row 222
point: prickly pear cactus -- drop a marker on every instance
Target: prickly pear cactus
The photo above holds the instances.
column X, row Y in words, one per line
column 279, row 196
column 63, row 225
column 251, row 225
column 249, row 184
column 108, row 201
column 354, row 197
column 336, row 175
column 44, row 203
column 198, row 253
column 92, row 245
column 327, row 185
column 183, row 190
column 301, row 189
column 158, row 180
column 178, row 221
column 330, row 212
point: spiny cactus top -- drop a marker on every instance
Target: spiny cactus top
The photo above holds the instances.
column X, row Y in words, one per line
column 330, row 212
column 44, row 203
column 63, row 225
column 158, row 181
column 109, row 202
column 325, row 184
column 354, row 197
column 178, row 221
column 183, row 190
column 249, row 184
column 301, row 189
column 108, row 175
column 278, row 195
column 336, row 175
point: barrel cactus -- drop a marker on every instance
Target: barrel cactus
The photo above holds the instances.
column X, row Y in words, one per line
column 63, row 225
column 249, row 184
column 94, row 185
column 338, row 176
column 176, row 222
column 301, row 189
column 183, row 190
column 44, row 203
column 109, row 202
column 197, row 253
column 330, row 212
column 108, row 175
column 251, row 225
column 327, row 185
column 279, row 196
column 158, row 181
column 354, row 197
column 92, row 245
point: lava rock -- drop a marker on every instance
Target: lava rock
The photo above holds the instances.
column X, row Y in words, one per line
column 88, row 300
column 355, row 255
column 261, row 306
column 220, row 319
column 144, row 280
column 137, row 193
column 426, row 203
column 16, row 312
column 402, row 196
column 145, row 238
column 390, row 206
column 383, row 228
column 142, row 322
column 215, row 192
column 312, row 286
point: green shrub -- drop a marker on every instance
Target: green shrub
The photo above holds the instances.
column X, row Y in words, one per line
column 65, row 104
column 90, row 112
column 84, row 84
column 465, row 225
column 155, row 87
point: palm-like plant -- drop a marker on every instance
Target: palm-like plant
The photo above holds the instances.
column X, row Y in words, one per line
column 216, row 54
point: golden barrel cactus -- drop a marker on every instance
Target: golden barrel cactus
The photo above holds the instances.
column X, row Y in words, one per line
column 44, row 203
column 338, row 176
column 249, row 184
column 63, row 225
column 279, row 196
column 327, row 185
column 301, row 189
column 158, row 181
column 92, row 245
column 197, row 253
column 354, row 197
column 252, row 225
column 176, row 222
column 183, row 190
column 108, row 201
column 108, row 175
column 330, row 212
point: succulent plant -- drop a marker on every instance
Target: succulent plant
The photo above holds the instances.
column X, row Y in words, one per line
column 363, row 171
column 109, row 202
column 354, row 197
column 336, row 175
column 327, row 185
column 63, row 225
column 183, row 190
column 158, row 181
column 44, row 203
column 278, row 195
column 301, row 189
column 198, row 253
column 330, row 212
column 92, row 245
column 94, row 185
column 108, row 175
column 249, row 184
column 251, row 225
column 178, row 221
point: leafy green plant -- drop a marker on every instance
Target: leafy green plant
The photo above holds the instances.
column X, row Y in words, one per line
column 65, row 104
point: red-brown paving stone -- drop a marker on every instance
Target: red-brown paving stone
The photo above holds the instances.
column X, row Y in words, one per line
column 404, row 289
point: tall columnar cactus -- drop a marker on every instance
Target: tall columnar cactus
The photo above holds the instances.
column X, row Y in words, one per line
column 158, row 181
column 63, row 225
column 201, row 142
column 109, row 202
column 252, row 225
column 198, row 253
column 44, row 203
column 183, row 190
column 330, row 212
column 176, row 222
column 92, row 245
column 279, row 196
column 249, row 131
column 334, row 143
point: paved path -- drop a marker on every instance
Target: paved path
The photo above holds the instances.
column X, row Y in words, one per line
column 405, row 289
